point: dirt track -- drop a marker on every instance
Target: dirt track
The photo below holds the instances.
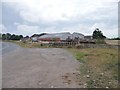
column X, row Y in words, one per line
column 39, row 68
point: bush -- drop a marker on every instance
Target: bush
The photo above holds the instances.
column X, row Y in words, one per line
column 69, row 46
column 24, row 41
column 100, row 41
column 77, row 46
column 41, row 44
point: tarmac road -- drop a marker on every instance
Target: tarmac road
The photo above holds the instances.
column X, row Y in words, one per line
column 8, row 47
column 38, row 68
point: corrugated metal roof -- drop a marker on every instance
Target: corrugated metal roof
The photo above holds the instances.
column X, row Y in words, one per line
column 62, row 36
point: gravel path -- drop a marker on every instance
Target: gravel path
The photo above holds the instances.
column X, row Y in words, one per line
column 39, row 68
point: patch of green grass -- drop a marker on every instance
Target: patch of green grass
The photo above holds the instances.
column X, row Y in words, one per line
column 100, row 64
column 80, row 57
column 90, row 84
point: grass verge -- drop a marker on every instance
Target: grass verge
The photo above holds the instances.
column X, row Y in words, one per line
column 99, row 68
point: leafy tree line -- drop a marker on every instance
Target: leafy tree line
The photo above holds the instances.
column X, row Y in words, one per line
column 9, row 36
column 115, row 38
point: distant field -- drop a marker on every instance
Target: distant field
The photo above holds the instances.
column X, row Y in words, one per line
column 99, row 67
column 113, row 42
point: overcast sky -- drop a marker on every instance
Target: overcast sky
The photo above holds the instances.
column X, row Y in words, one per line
column 28, row 17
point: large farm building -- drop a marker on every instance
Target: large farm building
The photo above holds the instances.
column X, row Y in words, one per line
column 58, row 37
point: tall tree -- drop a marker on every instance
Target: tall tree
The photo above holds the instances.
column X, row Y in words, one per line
column 20, row 36
column 97, row 34
column 3, row 36
column 13, row 37
column 8, row 36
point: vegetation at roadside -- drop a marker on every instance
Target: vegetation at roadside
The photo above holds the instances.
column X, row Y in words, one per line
column 28, row 44
column 99, row 67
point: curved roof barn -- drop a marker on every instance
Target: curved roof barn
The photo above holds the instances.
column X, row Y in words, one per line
column 62, row 36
